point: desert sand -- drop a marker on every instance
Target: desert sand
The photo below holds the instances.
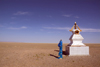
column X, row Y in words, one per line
column 45, row 55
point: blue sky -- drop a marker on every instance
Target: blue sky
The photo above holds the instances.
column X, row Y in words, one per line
column 48, row 21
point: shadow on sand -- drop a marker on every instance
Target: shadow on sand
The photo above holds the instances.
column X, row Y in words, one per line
column 64, row 53
column 53, row 55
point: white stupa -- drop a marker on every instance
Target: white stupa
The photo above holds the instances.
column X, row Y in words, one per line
column 76, row 38
column 76, row 47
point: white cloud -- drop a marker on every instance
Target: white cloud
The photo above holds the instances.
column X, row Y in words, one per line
column 76, row 17
column 67, row 15
column 90, row 30
column 68, row 28
column 23, row 27
column 21, row 13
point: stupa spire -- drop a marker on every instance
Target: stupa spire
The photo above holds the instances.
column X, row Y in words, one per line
column 75, row 27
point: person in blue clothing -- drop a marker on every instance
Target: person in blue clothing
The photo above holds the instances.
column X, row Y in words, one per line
column 60, row 45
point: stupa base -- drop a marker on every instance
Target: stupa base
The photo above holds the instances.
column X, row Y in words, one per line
column 77, row 50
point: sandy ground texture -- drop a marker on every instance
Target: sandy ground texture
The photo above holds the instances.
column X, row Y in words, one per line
column 44, row 55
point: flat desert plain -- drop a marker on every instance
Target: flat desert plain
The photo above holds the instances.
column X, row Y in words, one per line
column 45, row 55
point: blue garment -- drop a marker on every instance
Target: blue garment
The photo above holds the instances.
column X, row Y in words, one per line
column 60, row 49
